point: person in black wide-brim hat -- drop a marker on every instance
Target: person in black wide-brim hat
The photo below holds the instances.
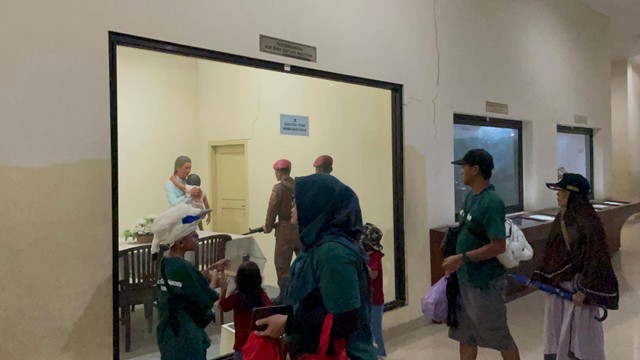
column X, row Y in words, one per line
column 576, row 259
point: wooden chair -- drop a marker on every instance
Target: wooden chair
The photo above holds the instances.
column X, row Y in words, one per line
column 210, row 250
column 137, row 285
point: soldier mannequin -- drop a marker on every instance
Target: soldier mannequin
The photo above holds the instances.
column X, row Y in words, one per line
column 323, row 164
column 287, row 238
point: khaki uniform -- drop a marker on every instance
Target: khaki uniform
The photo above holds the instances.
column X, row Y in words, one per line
column 287, row 237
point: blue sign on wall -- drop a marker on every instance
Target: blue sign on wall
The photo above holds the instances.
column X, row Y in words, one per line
column 294, row 125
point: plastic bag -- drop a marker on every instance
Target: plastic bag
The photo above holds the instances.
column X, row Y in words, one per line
column 517, row 248
column 324, row 344
column 434, row 301
column 261, row 348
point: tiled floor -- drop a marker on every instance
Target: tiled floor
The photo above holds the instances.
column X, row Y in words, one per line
column 144, row 345
column 622, row 328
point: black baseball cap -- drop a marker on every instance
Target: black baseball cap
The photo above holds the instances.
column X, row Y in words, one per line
column 571, row 182
column 480, row 157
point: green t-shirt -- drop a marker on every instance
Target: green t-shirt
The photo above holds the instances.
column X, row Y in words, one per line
column 481, row 220
column 185, row 294
column 346, row 292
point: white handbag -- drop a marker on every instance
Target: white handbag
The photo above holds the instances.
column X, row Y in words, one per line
column 517, row 247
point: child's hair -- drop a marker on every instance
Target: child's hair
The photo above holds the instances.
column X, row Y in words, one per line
column 193, row 180
column 249, row 286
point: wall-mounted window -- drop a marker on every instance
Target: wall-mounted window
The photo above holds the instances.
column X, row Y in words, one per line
column 503, row 140
column 575, row 151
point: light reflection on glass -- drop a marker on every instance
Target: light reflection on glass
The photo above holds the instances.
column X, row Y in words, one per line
column 502, row 144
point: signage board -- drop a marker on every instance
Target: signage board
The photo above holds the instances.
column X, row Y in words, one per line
column 294, row 125
column 581, row 119
column 497, row 108
column 286, row 48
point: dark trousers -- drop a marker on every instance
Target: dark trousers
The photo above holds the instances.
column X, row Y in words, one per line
column 287, row 243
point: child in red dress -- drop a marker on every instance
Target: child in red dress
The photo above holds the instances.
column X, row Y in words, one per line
column 247, row 295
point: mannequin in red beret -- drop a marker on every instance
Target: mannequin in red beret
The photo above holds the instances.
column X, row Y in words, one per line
column 287, row 238
column 323, row 164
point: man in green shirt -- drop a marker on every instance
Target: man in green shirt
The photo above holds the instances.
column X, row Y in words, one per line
column 483, row 316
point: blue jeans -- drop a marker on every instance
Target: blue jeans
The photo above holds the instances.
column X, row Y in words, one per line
column 376, row 328
column 237, row 355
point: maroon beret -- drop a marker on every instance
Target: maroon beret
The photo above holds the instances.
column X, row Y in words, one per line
column 323, row 160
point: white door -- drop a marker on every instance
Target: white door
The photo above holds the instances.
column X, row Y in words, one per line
column 230, row 189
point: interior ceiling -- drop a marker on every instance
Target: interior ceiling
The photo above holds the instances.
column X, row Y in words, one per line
column 625, row 25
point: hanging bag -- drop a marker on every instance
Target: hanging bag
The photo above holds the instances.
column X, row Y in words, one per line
column 517, row 248
column 261, row 348
column 325, row 335
column 434, row 301
column 453, row 288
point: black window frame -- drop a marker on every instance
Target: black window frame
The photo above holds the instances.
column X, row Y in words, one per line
column 476, row 120
column 116, row 39
column 589, row 133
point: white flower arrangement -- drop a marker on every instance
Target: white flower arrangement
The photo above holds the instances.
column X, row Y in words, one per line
column 142, row 227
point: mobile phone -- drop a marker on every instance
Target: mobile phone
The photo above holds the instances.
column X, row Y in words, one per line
column 264, row 312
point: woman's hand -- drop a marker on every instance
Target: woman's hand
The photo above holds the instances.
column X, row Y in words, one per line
column 452, row 263
column 578, row 298
column 195, row 192
column 275, row 326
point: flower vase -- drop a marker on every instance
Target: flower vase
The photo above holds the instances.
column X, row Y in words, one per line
column 145, row 239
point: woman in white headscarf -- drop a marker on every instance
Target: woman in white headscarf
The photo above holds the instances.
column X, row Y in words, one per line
column 186, row 295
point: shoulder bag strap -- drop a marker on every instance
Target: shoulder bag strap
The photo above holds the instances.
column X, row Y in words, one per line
column 481, row 237
column 325, row 335
column 466, row 213
column 565, row 233
column 173, row 314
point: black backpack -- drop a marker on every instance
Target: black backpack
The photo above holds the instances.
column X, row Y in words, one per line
column 453, row 288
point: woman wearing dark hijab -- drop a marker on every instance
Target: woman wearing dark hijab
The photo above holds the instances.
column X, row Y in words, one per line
column 330, row 275
column 577, row 259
